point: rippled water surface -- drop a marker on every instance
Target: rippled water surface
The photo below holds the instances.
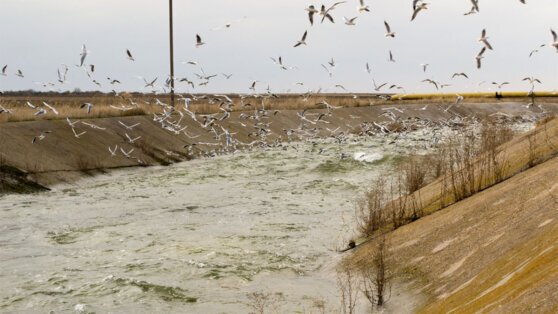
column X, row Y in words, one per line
column 198, row 236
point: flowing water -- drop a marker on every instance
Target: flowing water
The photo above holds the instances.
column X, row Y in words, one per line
column 204, row 236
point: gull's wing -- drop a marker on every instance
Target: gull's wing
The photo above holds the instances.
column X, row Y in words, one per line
column 388, row 29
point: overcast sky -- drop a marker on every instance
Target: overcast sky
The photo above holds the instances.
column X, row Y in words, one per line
column 39, row 36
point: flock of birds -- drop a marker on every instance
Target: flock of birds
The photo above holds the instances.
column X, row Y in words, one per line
column 172, row 118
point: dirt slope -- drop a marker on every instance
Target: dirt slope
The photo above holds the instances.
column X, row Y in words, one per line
column 496, row 251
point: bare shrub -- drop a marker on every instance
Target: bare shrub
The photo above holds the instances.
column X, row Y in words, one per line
column 493, row 135
column 437, row 162
column 347, row 282
column 397, row 208
column 375, row 276
column 467, row 163
column 370, row 209
column 414, row 173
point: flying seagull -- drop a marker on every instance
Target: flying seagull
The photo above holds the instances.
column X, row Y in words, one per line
column 51, row 108
column 367, row 69
column 83, row 55
column 127, row 154
column 532, row 80
column 459, row 74
column 130, row 57
column 19, row 73
column 325, row 13
column 475, row 5
column 350, row 22
column 424, row 66
column 77, row 135
column 484, row 39
column 327, row 70
column 431, row 82
column 377, row 88
column 472, row 11
column 40, row 137
column 302, row 41
column 93, row 126
column 71, row 123
column 129, row 127
column 535, row 50
column 422, row 6
column 147, row 84
column 113, row 151
column 199, row 41
column 479, row 57
column 4, row 70
column 132, row 140
column 554, row 42
column 88, row 105
column 500, row 85
column 363, row 7
column 311, row 11
column 391, row 57
column 389, row 33
column 40, row 112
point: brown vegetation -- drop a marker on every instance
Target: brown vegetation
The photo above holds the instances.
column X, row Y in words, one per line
column 468, row 163
column 492, row 247
column 145, row 104
column 375, row 276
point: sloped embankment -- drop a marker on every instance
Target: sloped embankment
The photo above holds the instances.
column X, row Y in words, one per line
column 61, row 157
column 494, row 251
column 13, row 180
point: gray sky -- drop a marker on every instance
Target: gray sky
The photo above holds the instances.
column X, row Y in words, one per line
column 38, row 36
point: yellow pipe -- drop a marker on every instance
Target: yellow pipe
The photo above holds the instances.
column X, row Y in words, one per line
column 474, row 95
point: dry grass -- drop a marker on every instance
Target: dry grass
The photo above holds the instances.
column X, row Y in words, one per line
column 470, row 162
column 68, row 105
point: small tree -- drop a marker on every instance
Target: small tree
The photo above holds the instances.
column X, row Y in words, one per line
column 375, row 277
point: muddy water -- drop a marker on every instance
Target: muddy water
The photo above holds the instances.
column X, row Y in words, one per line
column 199, row 236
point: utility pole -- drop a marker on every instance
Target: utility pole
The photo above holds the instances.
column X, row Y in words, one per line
column 171, row 55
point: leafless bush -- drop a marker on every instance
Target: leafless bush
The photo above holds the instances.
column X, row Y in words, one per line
column 375, row 276
column 414, row 173
column 397, row 208
column 467, row 163
column 370, row 208
column 532, row 138
column 475, row 162
column 347, row 282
